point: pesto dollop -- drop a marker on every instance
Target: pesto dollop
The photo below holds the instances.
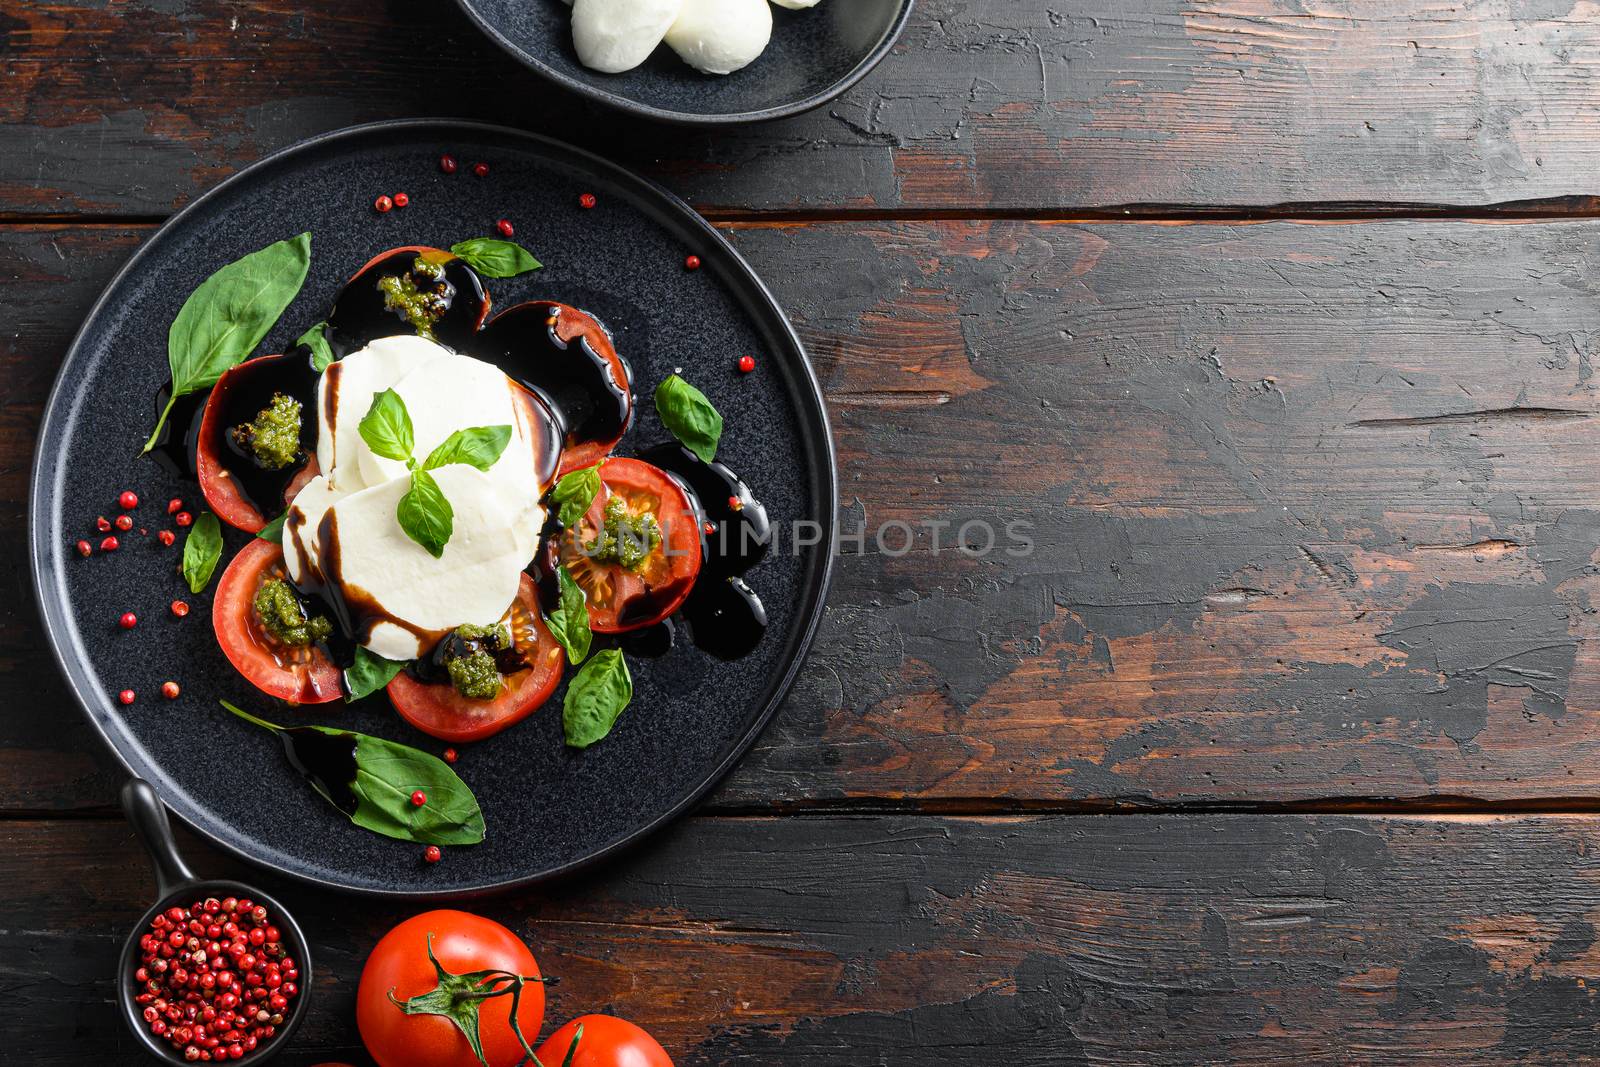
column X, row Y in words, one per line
column 284, row 617
column 470, row 660
column 625, row 539
column 273, row 436
column 421, row 305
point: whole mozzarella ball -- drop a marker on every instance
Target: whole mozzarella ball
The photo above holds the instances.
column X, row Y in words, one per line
column 612, row 36
column 795, row 5
column 721, row 36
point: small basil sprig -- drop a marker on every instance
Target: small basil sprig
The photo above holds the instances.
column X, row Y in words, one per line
column 596, row 695
column 686, row 412
column 227, row 316
column 569, row 622
column 574, row 493
column 495, row 258
column 316, row 339
column 386, row 773
column 201, row 551
column 424, row 513
column 369, row 673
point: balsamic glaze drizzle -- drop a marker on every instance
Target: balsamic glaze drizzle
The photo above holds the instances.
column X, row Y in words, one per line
column 361, row 316
column 578, row 385
column 724, row 615
column 327, row 761
column 248, row 389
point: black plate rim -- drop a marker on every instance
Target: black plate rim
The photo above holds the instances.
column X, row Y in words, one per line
column 53, row 610
column 692, row 118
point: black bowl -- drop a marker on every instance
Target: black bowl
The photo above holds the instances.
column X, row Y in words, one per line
column 815, row 55
column 175, row 884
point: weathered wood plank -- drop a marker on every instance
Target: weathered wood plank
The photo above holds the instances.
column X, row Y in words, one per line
column 1313, row 513
column 1010, row 942
column 135, row 107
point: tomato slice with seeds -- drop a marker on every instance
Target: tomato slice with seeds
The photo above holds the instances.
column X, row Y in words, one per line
column 361, row 315
column 572, row 323
column 213, row 460
column 439, row 710
column 300, row 675
column 567, row 356
column 623, row 598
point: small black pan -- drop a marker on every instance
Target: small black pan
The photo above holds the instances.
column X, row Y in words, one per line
column 176, row 884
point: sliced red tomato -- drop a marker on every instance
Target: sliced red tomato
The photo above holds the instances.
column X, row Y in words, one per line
column 217, row 484
column 300, row 675
column 439, row 710
column 572, row 323
column 360, row 313
column 630, row 598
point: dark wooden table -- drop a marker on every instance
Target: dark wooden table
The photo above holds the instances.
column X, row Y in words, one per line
column 1278, row 323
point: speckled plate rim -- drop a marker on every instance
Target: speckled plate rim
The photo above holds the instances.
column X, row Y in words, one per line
column 693, row 118
column 750, row 292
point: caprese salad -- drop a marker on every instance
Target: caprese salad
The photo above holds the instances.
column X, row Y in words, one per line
column 438, row 505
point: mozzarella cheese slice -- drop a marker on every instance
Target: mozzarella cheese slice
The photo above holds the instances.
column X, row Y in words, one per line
column 456, row 393
column 401, row 600
column 720, row 36
column 300, row 554
column 345, row 394
column 612, row 36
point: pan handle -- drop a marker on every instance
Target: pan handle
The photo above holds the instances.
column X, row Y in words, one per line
column 149, row 818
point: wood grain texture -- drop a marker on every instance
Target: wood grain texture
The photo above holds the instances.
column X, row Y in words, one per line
column 134, row 107
column 1312, row 509
column 900, row 941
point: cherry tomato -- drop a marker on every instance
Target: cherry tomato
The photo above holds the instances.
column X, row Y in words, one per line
column 630, row 598
column 438, row 709
column 300, row 675
column 606, row 1042
column 212, row 457
column 462, row 943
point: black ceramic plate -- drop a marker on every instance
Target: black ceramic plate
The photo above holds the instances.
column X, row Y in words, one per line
column 549, row 809
column 815, row 55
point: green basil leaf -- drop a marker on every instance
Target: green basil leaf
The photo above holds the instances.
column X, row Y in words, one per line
column 425, row 515
column 686, row 412
column 316, row 339
column 369, row 673
column 570, row 621
column 387, row 773
column 273, row 531
column 224, row 319
column 477, row 447
column 201, row 551
column 595, row 697
column 574, row 493
column 496, row 258
column 386, row 427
